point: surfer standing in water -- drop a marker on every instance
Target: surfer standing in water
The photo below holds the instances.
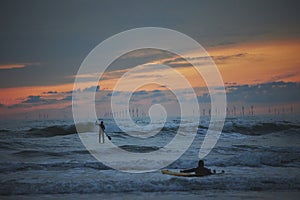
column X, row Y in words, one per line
column 200, row 170
column 101, row 131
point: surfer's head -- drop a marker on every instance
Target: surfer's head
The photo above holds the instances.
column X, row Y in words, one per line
column 201, row 163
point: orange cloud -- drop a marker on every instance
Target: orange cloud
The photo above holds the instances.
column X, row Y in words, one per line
column 10, row 96
column 259, row 62
column 12, row 66
column 16, row 65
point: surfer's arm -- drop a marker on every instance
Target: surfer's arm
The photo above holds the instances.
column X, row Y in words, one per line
column 188, row 170
column 207, row 171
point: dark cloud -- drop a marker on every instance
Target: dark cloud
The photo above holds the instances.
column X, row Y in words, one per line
column 50, row 92
column 230, row 83
column 30, row 101
column 133, row 59
column 282, row 76
column 273, row 92
column 157, row 94
column 59, row 34
column 223, row 59
column 67, row 98
column 162, row 100
column 116, row 93
column 34, row 99
column 181, row 62
column 154, row 94
column 142, row 92
column 92, row 89
column 204, row 60
column 69, row 92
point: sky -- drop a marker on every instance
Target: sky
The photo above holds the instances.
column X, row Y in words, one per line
column 254, row 44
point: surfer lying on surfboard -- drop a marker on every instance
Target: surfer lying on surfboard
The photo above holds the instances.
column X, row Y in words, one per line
column 200, row 170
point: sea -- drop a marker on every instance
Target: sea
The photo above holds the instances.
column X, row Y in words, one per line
column 46, row 159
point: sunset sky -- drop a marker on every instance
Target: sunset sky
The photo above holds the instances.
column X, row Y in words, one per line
column 255, row 45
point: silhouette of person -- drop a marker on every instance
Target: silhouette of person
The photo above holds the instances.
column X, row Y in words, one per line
column 101, row 131
column 200, row 170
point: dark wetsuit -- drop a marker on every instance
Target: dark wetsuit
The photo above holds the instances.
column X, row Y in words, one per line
column 201, row 171
column 102, row 126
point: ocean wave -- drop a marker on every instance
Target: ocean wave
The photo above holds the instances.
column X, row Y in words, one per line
column 18, row 167
column 39, row 153
column 138, row 148
column 172, row 129
column 34, row 153
column 53, row 131
column 61, row 130
column 4, row 130
column 47, row 154
column 262, row 128
column 93, row 182
column 9, row 146
column 249, row 159
column 259, row 128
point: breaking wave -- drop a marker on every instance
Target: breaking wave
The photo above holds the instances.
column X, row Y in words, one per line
column 260, row 128
column 53, row 131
